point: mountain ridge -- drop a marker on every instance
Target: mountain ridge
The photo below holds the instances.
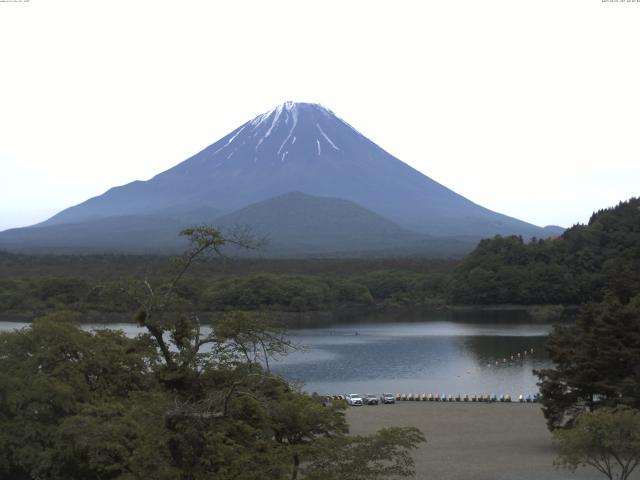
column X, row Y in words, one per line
column 293, row 224
column 299, row 147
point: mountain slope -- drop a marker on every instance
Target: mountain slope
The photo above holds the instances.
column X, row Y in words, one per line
column 305, row 217
column 306, row 148
column 293, row 224
column 126, row 233
column 301, row 224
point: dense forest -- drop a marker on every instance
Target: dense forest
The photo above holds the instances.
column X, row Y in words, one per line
column 35, row 285
column 583, row 264
column 591, row 394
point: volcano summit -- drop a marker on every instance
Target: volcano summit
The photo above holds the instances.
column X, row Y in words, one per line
column 297, row 152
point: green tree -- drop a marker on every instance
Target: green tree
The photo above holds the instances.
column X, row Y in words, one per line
column 607, row 440
column 78, row 405
column 596, row 361
column 179, row 402
column 585, row 263
column 385, row 454
column 255, row 338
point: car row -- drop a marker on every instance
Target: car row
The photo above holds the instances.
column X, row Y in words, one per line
column 355, row 399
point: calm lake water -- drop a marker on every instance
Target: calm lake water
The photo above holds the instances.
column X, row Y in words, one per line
column 432, row 356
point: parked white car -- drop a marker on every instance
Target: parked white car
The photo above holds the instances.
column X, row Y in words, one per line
column 354, row 399
column 388, row 398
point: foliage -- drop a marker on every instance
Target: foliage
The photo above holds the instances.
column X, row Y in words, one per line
column 179, row 402
column 402, row 286
column 68, row 283
column 597, row 361
column 607, row 440
column 254, row 339
column 74, row 404
column 584, row 264
column 366, row 457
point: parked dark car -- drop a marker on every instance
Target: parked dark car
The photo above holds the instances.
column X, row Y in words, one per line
column 370, row 399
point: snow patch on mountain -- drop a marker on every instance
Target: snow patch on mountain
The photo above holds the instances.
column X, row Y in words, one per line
column 231, row 139
column 274, row 122
column 294, row 116
column 326, row 137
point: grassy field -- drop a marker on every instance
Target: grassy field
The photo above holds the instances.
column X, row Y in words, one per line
column 470, row 441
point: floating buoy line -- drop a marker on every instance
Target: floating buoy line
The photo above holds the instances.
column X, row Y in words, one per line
column 509, row 359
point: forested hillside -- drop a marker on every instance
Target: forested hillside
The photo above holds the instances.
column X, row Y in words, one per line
column 35, row 285
column 581, row 265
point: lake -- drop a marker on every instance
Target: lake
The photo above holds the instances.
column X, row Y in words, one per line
column 443, row 357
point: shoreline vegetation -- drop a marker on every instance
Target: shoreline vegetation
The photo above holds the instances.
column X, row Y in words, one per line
column 353, row 314
column 536, row 280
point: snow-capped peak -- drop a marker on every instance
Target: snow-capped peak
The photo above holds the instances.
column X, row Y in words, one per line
column 290, row 132
column 291, row 107
column 285, row 119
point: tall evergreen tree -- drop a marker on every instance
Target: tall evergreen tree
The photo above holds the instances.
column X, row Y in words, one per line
column 597, row 361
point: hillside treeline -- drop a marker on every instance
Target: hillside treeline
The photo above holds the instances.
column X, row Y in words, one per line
column 584, row 264
column 93, row 284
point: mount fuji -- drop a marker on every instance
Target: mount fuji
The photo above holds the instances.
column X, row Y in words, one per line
column 298, row 157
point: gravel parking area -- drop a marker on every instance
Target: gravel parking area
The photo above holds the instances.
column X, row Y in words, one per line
column 474, row 441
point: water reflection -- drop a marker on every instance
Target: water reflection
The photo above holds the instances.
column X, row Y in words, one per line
column 445, row 357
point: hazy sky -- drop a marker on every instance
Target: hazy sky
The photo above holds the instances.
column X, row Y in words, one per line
column 530, row 108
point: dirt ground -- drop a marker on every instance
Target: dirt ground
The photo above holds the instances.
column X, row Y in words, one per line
column 474, row 441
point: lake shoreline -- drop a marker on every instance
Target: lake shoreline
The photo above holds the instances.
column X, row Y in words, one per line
column 354, row 314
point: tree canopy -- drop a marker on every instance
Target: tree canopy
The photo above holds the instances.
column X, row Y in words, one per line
column 607, row 440
column 596, row 361
column 184, row 401
column 584, row 264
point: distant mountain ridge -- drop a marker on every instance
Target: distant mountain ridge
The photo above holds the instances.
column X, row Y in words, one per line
column 297, row 147
column 293, row 224
column 296, row 223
